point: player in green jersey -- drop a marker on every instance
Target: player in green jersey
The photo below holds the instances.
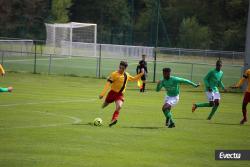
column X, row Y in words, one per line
column 212, row 81
column 172, row 87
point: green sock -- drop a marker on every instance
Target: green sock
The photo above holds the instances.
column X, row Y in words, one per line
column 212, row 112
column 4, row 89
column 168, row 115
column 203, row 105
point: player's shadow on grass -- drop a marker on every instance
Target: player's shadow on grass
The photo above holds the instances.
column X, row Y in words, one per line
column 84, row 124
column 215, row 123
column 138, row 90
column 223, row 123
column 129, row 127
column 188, row 118
column 229, row 91
column 143, row 127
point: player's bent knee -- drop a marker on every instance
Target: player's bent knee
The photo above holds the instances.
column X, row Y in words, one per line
column 166, row 107
column 118, row 104
column 211, row 103
column 216, row 103
column 118, row 107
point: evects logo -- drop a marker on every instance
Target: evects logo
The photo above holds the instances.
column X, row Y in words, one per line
column 229, row 156
column 232, row 154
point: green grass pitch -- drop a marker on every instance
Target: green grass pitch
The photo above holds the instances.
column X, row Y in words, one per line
column 85, row 66
column 44, row 122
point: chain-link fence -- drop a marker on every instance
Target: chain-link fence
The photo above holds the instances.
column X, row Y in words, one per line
column 188, row 63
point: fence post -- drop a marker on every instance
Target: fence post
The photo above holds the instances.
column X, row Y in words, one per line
column 233, row 57
column 206, row 56
column 100, row 60
column 179, row 52
column 35, row 59
column 50, row 57
column 97, row 63
column 157, row 36
column 41, row 48
column 192, row 70
column 154, row 77
column 21, row 50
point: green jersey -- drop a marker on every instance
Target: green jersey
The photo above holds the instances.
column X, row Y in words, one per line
column 213, row 79
column 172, row 85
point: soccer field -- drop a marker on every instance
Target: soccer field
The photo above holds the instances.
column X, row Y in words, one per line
column 45, row 122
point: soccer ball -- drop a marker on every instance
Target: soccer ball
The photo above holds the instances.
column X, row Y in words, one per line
column 97, row 122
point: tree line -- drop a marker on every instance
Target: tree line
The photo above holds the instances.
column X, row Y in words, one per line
column 204, row 24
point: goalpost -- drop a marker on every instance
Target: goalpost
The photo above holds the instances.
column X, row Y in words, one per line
column 64, row 39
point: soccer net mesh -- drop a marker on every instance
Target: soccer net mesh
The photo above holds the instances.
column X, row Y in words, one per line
column 80, row 39
column 16, row 47
column 125, row 51
column 64, row 39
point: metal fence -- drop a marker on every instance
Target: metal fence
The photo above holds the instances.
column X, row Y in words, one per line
column 188, row 63
column 201, row 56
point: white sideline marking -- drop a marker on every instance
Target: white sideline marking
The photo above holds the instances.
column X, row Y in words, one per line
column 47, row 102
column 75, row 119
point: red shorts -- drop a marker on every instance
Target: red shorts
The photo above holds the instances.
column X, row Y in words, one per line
column 246, row 97
column 114, row 96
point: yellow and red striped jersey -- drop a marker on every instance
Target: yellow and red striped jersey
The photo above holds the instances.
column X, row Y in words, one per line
column 119, row 81
column 246, row 77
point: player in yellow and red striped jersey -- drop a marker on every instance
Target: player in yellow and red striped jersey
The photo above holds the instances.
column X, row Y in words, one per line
column 246, row 100
column 117, row 81
column 2, row 72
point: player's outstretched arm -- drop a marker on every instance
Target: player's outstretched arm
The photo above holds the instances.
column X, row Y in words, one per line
column 242, row 80
column 198, row 84
column 110, row 80
column 137, row 77
column 222, row 86
column 234, row 87
column 240, row 83
column 159, row 86
column 192, row 83
column 186, row 81
column 105, row 89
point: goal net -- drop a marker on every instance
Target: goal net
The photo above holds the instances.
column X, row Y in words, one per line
column 14, row 47
column 64, row 39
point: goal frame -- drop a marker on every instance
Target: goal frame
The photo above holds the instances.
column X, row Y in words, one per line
column 71, row 26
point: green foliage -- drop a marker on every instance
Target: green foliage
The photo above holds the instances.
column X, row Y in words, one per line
column 111, row 16
column 193, row 35
column 24, row 19
column 132, row 21
column 233, row 38
column 60, row 10
column 143, row 24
